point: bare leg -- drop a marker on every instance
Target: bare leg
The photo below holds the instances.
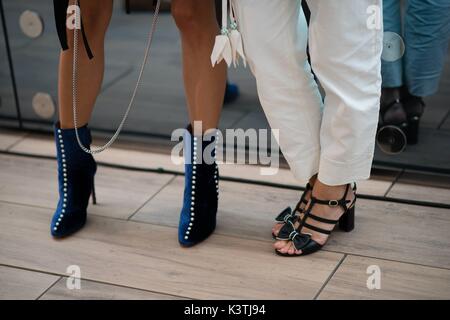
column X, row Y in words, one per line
column 204, row 85
column 96, row 15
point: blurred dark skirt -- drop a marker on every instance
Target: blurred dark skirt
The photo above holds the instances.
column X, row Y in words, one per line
column 60, row 9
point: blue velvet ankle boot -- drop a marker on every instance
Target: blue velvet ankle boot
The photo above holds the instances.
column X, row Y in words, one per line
column 201, row 191
column 76, row 170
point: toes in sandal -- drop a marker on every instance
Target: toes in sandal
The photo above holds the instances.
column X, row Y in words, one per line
column 288, row 217
column 303, row 241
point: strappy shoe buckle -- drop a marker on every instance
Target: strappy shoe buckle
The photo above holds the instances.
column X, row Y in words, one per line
column 333, row 203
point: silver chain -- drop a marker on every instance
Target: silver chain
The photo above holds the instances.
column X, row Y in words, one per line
column 138, row 83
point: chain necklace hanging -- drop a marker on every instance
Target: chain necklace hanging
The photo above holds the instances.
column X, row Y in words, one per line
column 138, row 83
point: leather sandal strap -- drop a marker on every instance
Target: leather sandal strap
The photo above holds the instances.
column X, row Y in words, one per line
column 303, row 198
column 320, row 219
column 334, row 203
column 297, row 207
column 317, row 229
column 354, row 193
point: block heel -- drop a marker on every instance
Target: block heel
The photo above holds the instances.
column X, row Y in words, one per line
column 347, row 220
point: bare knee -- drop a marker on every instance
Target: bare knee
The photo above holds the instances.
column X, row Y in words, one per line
column 191, row 16
column 96, row 15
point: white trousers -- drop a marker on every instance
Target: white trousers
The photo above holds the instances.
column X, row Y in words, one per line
column 334, row 136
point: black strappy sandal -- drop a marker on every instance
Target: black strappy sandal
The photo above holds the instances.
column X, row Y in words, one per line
column 287, row 216
column 303, row 241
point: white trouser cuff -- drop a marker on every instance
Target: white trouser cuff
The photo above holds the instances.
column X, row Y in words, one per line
column 305, row 167
column 334, row 173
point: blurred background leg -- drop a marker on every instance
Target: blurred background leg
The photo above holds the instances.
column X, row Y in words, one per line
column 427, row 33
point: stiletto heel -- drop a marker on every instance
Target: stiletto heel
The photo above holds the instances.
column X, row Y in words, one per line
column 347, row 221
column 414, row 107
column 412, row 133
column 94, row 197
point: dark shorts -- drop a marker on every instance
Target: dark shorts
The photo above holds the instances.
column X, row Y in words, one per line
column 60, row 8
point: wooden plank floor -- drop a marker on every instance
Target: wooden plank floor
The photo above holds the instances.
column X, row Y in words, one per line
column 9, row 138
column 110, row 183
column 92, row 290
column 19, row 284
column 422, row 187
column 384, row 229
column 148, row 257
column 398, row 281
column 129, row 249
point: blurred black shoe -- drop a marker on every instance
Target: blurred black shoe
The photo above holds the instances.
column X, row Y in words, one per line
column 393, row 122
column 414, row 107
column 231, row 93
